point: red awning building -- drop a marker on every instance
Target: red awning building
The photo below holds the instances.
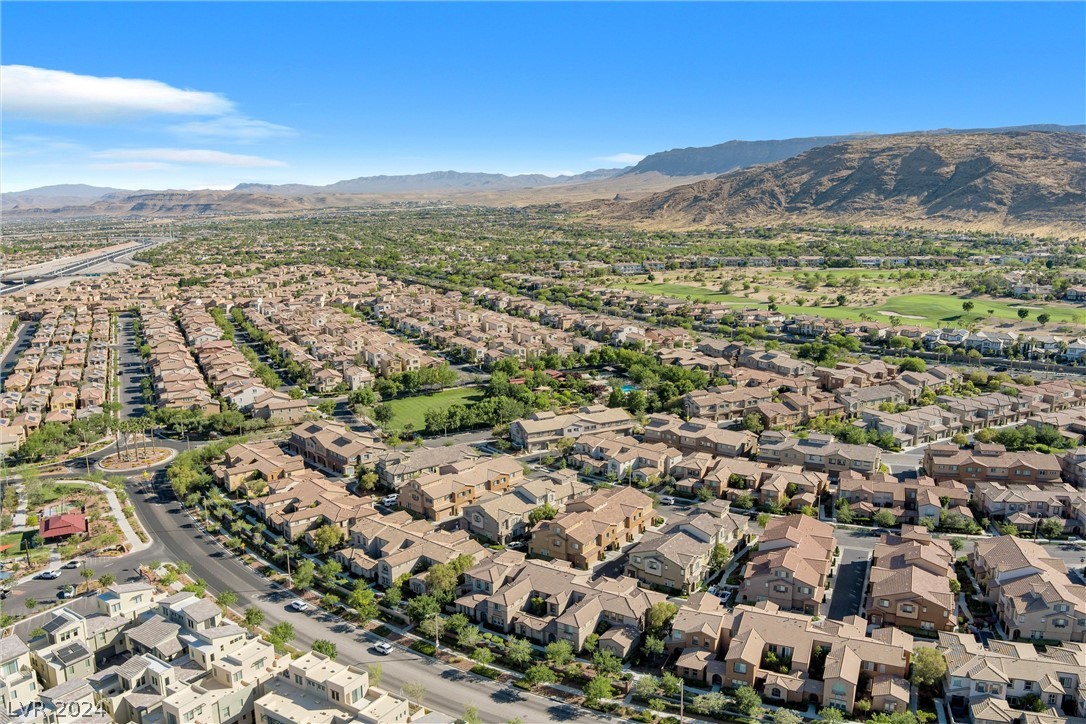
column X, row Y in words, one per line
column 61, row 526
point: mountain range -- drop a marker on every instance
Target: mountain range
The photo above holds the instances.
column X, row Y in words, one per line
column 1028, row 180
column 681, row 186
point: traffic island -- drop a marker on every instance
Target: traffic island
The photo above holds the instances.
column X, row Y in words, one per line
column 127, row 462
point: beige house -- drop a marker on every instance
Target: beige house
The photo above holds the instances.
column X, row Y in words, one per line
column 792, row 564
column 677, row 557
column 601, row 521
column 910, row 582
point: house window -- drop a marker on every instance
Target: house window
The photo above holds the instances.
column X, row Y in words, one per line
column 839, row 689
column 884, row 602
column 740, row 667
column 908, row 608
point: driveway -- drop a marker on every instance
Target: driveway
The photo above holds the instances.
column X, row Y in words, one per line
column 849, row 583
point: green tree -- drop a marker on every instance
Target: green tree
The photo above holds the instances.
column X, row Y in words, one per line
column 375, row 671
column 326, row 647
column 752, row 422
column 671, row 684
column 1043, row 318
column 281, row 634
column 414, row 691
column 543, row 512
column 423, row 607
column 469, row 637
column 967, row 306
column 712, row 704
column 748, row 701
column 106, row 580
column 1023, row 313
column 441, row 581
column 226, row 599
column 539, row 674
column 482, row 655
column 471, row 715
column 254, row 617
column 786, row 716
column 658, row 617
column 517, row 651
column 1050, row 528
column 327, row 538
column 559, row 652
column 647, row 686
column 831, row 714
column 383, row 414
column 606, row 663
column 363, row 601
column 928, row 666
column 303, row 575
column 597, row 689
column 885, row 518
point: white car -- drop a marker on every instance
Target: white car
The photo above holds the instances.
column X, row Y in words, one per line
column 70, row 565
column 67, row 592
column 390, row 501
column 667, row 500
column 299, row 605
column 49, row 575
column 384, row 648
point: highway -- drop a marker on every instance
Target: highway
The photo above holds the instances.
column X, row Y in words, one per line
column 17, row 279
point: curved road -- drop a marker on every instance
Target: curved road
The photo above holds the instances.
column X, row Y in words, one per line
column 175, row 537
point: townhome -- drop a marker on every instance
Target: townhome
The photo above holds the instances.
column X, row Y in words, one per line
column 1026, row 506
column 301, row 502
column 817, row 452
column 399, row 466
column 990, row 462
column 725, row 403
column 259, row 460
column 779, row 362
column 442, row 495
column 383, row 548
column 592, row 525
column 334, row 447
column 910, row 500
column 699, row 435
column 792, row 564
column 910, row 582
column 541, row 430
column 1034, row 598
column 623, row 457
column 18, row 685
column 791, row 659
column 314, row 689
column 504, row 517
column 547, row 601
column 857, row 399
column 988, row 680
column 678, row 556
column 914, row 427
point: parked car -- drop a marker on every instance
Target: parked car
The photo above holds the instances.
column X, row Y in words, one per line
column 299, row 605
column 667, row 500
column 71, row 564
column 384, row 648
column 390, row 501
column 518, row 545
column 67, row 592
column 49, row 575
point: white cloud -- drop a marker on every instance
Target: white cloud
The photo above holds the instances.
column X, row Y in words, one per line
column 63, row 97
column 235, row 128
column 625, row 158
column 133, row 166
column 186, row 156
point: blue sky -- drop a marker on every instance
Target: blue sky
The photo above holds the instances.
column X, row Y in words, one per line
column 193, row 95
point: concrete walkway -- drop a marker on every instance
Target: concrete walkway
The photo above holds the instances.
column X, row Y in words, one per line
column 18, row 520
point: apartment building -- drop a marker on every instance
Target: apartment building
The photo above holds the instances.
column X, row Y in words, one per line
column 541, row 430
column 301, row 502
column 990, row 462
column 18, row 685
column 909, row 582
column 1033, row 597
column 725, row 403
column 677, row 557
column 314, row 689
column 918, row 426
column 792, row 564
column 591, row 525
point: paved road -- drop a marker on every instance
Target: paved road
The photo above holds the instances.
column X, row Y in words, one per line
column 20, row 343
column 130, row 368
column 848, row 585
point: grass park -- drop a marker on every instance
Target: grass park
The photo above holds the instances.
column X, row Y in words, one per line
column 412, row 410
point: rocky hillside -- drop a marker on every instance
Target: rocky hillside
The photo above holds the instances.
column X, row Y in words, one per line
column 1020, row 180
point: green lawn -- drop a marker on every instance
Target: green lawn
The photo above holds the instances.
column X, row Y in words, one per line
column 17, row 541
column 931, row 310
column 412, row 410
